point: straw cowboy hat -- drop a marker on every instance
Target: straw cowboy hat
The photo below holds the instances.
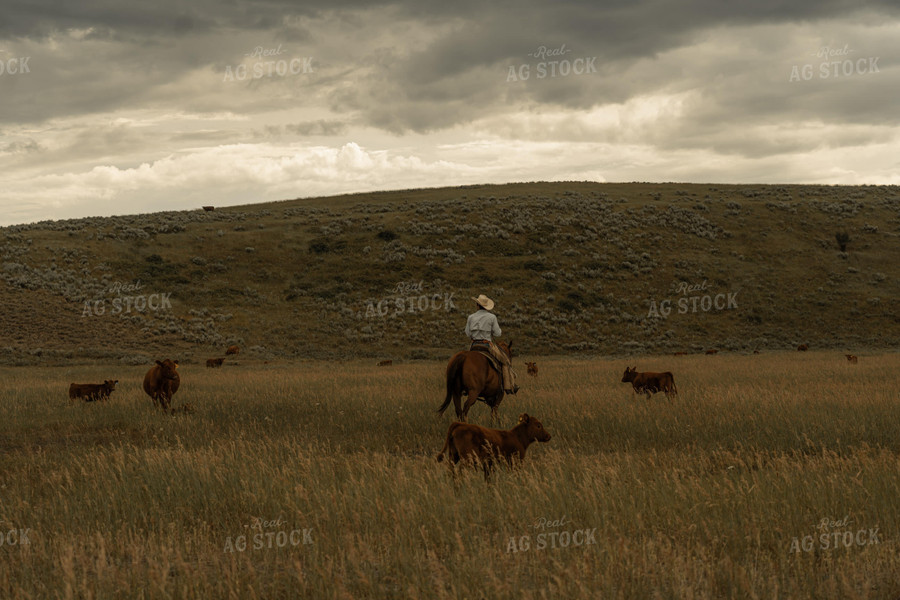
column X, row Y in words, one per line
column 484, row 302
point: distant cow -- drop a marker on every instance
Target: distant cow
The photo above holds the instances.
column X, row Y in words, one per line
column 470, row 442
column 802, row 348
column 756, row 352
column 532, row 368
column 232, row 350
column 92, row 391
column 209, row 208
column 161, row 382
column 852, row 358
column 681, row 354
column 385, row 363
column 650, row 383
column 711, row 351
column 212, row 363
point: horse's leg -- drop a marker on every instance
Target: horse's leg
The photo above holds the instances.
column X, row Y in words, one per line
column 457, row 399
column 495, row 413
column 470, row 400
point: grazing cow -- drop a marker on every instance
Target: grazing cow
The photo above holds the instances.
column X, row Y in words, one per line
column 161, row 382
column 712, row 351
column 650, row 383
column 532, row 368
column 209, row 208
column 385, row 363
column 212, row 363
column 92, row 391
column 852, row 358
column 802, row 348
column 681, row 354
column 470, row 442
column 232, row 350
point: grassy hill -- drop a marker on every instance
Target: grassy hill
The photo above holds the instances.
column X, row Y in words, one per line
column 583, row 268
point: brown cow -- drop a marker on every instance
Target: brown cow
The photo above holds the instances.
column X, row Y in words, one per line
column 212, row 363
column 802, row 348
column 711, row 351
column 232, row 350
column 756, row 352
column 92, row 391
column 532, row 368
column 161, row 382
column 650, row 383
column 473, row 442
column 385, row 363
column 852, row 358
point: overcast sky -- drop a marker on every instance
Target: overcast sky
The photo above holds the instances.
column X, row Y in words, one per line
column 118, row 107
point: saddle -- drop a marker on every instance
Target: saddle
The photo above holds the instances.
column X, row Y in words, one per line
column 484, row 351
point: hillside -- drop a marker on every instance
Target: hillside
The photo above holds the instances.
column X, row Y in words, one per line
column 583, row 268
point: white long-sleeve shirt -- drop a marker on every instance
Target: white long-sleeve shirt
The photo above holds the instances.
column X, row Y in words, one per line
column 482, row 325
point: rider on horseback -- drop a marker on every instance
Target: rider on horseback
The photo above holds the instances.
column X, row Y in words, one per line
column 481, row 327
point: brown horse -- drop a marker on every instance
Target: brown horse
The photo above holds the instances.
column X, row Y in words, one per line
column 470, row 371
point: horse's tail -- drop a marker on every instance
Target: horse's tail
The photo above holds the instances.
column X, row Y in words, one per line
column 453, row 373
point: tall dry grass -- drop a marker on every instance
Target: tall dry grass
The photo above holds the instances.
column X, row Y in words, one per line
column 696, row 498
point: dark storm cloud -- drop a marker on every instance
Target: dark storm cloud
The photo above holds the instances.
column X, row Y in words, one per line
column 452, row 71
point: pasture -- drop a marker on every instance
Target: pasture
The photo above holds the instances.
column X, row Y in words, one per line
column 329, row 473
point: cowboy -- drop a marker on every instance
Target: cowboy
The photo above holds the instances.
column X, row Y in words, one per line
column 482, row 327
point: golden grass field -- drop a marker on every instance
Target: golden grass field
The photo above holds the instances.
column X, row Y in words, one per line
column 701, row 497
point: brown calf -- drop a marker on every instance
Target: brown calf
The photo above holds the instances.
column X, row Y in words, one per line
column 802, row 348
column 532, row 368
column 650, row 383
column 852, row 358
column 473, row 442
column 212, row 363
column 92, row 391
column 711, row 351
column 386, row 363
column 161, row 382
column 232, row 350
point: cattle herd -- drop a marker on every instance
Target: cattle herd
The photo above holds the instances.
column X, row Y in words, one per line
column 464, row 441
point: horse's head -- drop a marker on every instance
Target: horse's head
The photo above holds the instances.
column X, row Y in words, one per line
column 506, row 347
